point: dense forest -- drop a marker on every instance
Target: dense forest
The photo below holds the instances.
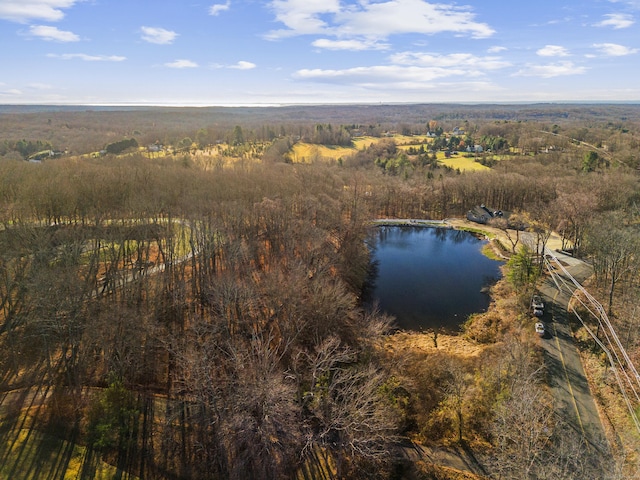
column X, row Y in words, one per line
column 198, row 314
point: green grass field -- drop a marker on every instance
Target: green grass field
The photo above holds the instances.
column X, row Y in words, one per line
column 461, row 162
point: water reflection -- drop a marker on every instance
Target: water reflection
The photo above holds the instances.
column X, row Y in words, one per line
column 429, row 277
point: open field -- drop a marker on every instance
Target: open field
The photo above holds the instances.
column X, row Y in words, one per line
column 308, row 153
column 461, row 162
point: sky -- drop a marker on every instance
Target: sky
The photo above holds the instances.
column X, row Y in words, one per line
column 250, row 52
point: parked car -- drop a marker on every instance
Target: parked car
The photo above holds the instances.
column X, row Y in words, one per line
column 536, row 302
column 540, row 330
column 538, row 312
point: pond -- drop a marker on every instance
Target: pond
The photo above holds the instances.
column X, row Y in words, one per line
column 429, row 278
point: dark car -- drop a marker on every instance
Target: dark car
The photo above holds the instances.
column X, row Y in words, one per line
column 536, row 302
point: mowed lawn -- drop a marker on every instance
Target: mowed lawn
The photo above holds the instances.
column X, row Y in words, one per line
column 401, row 141
column 461, row 162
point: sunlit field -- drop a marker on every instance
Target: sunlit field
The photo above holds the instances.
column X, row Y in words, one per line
column 30, row 454
column 461, row 162
column 309, row 153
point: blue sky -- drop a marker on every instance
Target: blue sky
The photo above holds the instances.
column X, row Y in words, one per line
column 248, row 52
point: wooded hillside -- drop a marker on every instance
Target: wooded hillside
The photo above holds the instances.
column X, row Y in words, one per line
column 198, row 316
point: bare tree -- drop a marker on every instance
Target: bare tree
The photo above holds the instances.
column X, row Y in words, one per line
column 522, row 431
column 456, row 384
column 511, row 229
column 614, row 248
column 347, row 413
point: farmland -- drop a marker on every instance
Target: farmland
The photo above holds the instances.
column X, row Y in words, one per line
column 307, row 153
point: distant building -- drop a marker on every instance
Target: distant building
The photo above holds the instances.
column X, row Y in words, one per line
column 39, row 156
column 483, row 215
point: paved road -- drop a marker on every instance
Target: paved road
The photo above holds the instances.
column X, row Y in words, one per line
column 572, row 396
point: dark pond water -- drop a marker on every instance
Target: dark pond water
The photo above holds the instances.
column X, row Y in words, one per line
column 430, row 277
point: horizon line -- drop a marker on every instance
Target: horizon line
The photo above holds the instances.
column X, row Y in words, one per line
column 315, row 104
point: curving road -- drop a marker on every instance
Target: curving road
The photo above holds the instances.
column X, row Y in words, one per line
column 574, row 403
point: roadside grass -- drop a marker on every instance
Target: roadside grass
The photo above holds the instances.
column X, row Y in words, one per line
column 620, row 429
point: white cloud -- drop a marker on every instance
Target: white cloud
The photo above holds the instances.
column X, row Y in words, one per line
column 303, row 16
column 465, row 61
column 496, row 49
column 40, row 86
column 413, row 16
column 616, row 20
column 373, row 20
column 377, row 74
column 352, row 44
column 614, row 50
column 631, row 3
column 408, row 70
column 158, row 35
column 12, row 92
column 48, row 33
column 242, row 65
column 24, row 11
column 218, row 8
column 182, row 63
column 87, row 58
column 553, row 51
column 551, row 70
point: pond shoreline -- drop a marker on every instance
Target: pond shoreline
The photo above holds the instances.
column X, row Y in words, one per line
column 431, row 279
column 483, row 232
